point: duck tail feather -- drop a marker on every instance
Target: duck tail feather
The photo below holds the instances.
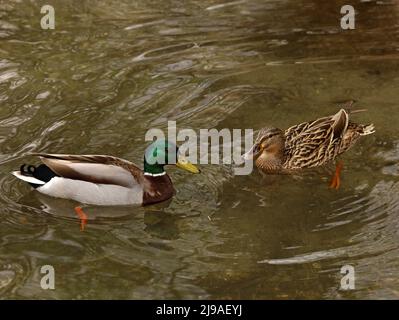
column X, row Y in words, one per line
column 356, row 111
column 30, row 179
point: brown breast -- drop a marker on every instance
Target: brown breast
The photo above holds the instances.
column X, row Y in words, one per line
column 157, row 189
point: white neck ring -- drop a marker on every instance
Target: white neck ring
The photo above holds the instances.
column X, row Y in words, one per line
column 154, row 174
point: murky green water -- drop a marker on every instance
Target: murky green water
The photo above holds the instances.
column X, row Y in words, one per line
column 113, row 69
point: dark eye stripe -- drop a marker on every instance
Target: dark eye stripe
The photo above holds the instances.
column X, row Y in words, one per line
column 270, row 133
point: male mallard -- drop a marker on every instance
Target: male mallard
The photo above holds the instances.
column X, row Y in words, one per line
column 106, row 180
column 306, row 145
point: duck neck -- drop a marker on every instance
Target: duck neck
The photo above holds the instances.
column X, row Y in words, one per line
column 158, row 186
column 153, row 169
column 269, row 163
column 273, row 159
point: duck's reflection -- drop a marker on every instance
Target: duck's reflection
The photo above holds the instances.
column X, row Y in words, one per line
column 158, row 222
column 89, row 215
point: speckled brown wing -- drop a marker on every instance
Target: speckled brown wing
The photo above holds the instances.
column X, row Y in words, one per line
column 314, row 143
column 94, row 168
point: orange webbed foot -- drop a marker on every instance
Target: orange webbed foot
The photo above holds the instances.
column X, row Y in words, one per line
column 82, row 216
column 336, row 180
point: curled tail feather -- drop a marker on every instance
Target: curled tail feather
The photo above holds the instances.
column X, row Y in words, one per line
column 35, row 176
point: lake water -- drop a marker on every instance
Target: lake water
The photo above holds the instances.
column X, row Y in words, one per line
column 113, row 69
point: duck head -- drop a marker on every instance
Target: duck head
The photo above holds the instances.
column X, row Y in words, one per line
column 268, row 149
column 163, row 152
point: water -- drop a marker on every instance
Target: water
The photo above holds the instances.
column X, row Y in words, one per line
column 112, row 70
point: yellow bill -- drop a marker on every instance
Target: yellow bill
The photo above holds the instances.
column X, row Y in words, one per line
column 184, row 164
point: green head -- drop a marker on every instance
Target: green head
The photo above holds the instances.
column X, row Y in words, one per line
column 161, row 153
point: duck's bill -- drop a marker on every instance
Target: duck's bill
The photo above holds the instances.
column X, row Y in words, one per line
column 249, row 155
column 185, row 165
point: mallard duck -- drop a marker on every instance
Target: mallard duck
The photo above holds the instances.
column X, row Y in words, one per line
column 106, row 180
column 306, row 145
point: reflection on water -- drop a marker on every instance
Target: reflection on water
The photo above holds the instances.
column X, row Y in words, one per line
column 112, row 70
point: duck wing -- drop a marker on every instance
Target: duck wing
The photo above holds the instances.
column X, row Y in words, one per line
column 101, row 169
column 313, row 143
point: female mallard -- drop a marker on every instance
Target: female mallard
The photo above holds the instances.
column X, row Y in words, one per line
column 306, row 145
column 106, row 180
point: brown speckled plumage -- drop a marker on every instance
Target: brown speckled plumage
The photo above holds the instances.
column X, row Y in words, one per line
column 307, row 144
